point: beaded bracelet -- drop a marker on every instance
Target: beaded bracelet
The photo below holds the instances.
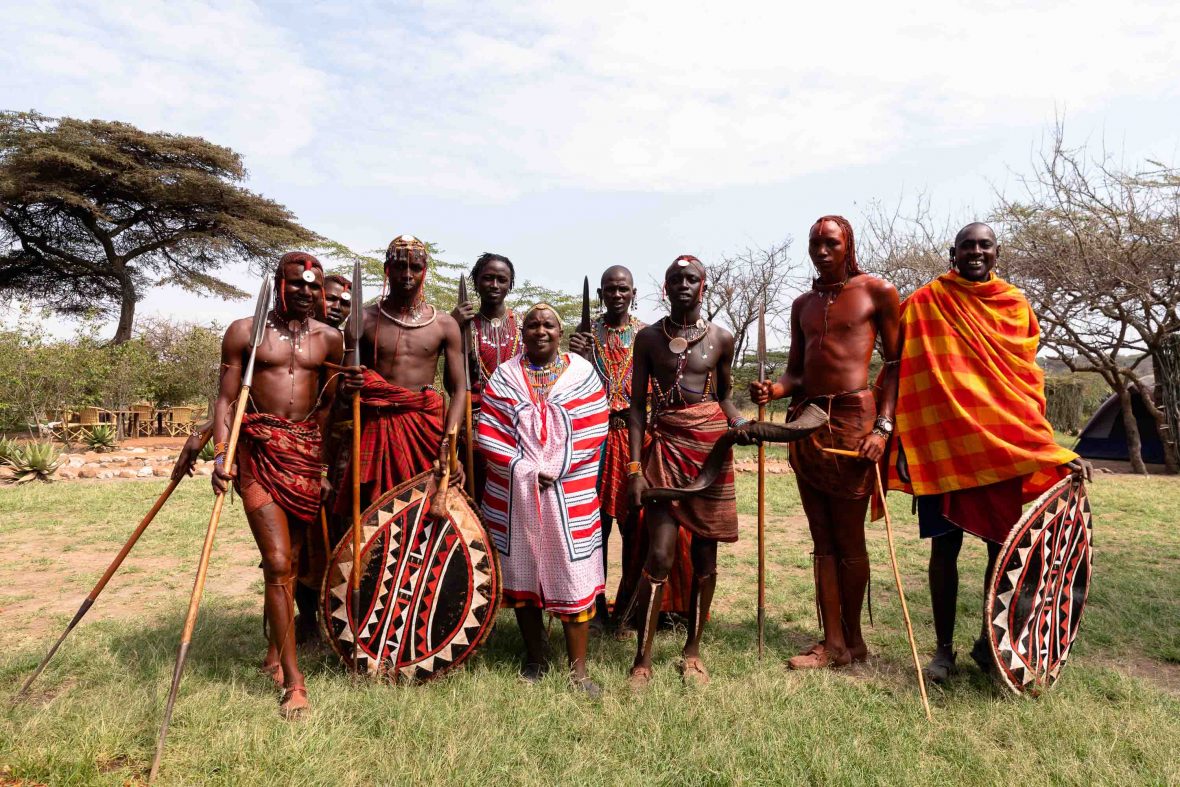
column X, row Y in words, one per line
column 634, row 469
column 739, row 421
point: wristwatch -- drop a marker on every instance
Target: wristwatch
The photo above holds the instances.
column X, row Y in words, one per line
column 883, row 426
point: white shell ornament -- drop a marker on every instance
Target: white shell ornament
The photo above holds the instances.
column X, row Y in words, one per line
column 346, row 296
column 678, row 345
column 308, row 276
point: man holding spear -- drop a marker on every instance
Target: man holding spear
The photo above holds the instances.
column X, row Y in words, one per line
column 402, row 415
column 834, row 328
column 281, row 466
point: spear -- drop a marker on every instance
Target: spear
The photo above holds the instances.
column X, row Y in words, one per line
column 469, row 437
column 110, row 572
column 905, row 611
column 190, row 620
column 761, row 487
column 356, row 321
column 584, row 325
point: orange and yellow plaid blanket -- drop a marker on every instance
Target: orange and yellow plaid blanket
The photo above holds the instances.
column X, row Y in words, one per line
column 971, row 398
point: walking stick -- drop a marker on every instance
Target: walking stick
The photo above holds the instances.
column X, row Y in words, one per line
column 356, row 321
column 468, row 435
column 905, row 611
column 190, row 620
column 761, row 487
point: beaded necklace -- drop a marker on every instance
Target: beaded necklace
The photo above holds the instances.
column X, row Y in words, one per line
column 681, row 346
column 829, row 293
column 496, row 342
column 293, row 331
column 614, row 359
column 542, row 378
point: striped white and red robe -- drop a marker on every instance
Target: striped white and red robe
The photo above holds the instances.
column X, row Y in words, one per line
column 550, row 542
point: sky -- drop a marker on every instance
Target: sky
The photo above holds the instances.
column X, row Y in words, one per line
column 574, row 136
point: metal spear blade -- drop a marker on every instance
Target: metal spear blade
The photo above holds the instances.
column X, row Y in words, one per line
column 261, row 309
column 584, row 325
column 466, row 332
column 356, row 318
column 762, row 342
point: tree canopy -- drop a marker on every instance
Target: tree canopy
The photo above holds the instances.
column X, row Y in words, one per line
column 93, row 213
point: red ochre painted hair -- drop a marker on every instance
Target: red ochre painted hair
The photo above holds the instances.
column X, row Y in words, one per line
column 850, row 263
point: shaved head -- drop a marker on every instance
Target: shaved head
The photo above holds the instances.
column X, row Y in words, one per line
column 971, row 228
column 615, row 271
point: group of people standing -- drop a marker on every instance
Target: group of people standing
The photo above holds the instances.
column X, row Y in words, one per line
column 568, row 440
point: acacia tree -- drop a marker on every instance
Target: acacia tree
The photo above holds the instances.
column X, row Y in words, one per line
column 907, row 249
column 93, row 213
column 1096, row 247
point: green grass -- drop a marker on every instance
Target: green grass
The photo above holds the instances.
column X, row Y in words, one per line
column 1110, row 719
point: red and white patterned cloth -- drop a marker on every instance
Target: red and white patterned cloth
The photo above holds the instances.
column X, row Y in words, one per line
column 550, row 543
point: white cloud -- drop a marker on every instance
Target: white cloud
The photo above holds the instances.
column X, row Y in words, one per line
column 455, row 99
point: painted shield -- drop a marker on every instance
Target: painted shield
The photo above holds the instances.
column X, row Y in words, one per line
column 1039, row 588
column 429, row 589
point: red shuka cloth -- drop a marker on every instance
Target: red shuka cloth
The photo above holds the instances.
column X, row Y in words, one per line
column 283, row 457
column 401, row 433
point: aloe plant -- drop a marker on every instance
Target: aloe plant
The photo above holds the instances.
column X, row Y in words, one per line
column 101, row 437
column 8, row 449
column 34, row 462
column 207, row 451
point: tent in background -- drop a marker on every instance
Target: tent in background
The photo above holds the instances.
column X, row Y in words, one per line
column 1105, row 437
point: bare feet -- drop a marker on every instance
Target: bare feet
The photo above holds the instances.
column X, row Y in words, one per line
column 639, row 678
column 819, row 657
column 294, row 703
column 692, row 671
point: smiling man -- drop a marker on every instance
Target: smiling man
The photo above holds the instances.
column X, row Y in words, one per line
column 542, row 425
column 280, row 461
column 834, row 328
column 974, row 442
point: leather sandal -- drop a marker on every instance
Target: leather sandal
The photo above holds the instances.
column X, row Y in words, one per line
column 639, row 678
column 818, row 657
column 981, row 653
column 941, row 667
column 294, row 703
column 692, row 671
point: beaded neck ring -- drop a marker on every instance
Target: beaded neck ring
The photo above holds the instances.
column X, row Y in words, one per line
column 542, row 378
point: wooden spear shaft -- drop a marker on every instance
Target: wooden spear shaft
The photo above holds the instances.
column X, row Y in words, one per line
column 194, row 603
column 356, row 530
column 905, row 611
column 469, row 447
column 761, row 537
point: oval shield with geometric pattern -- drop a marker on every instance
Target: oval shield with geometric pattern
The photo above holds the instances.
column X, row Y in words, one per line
column 429, row 589
column 1039, row 589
